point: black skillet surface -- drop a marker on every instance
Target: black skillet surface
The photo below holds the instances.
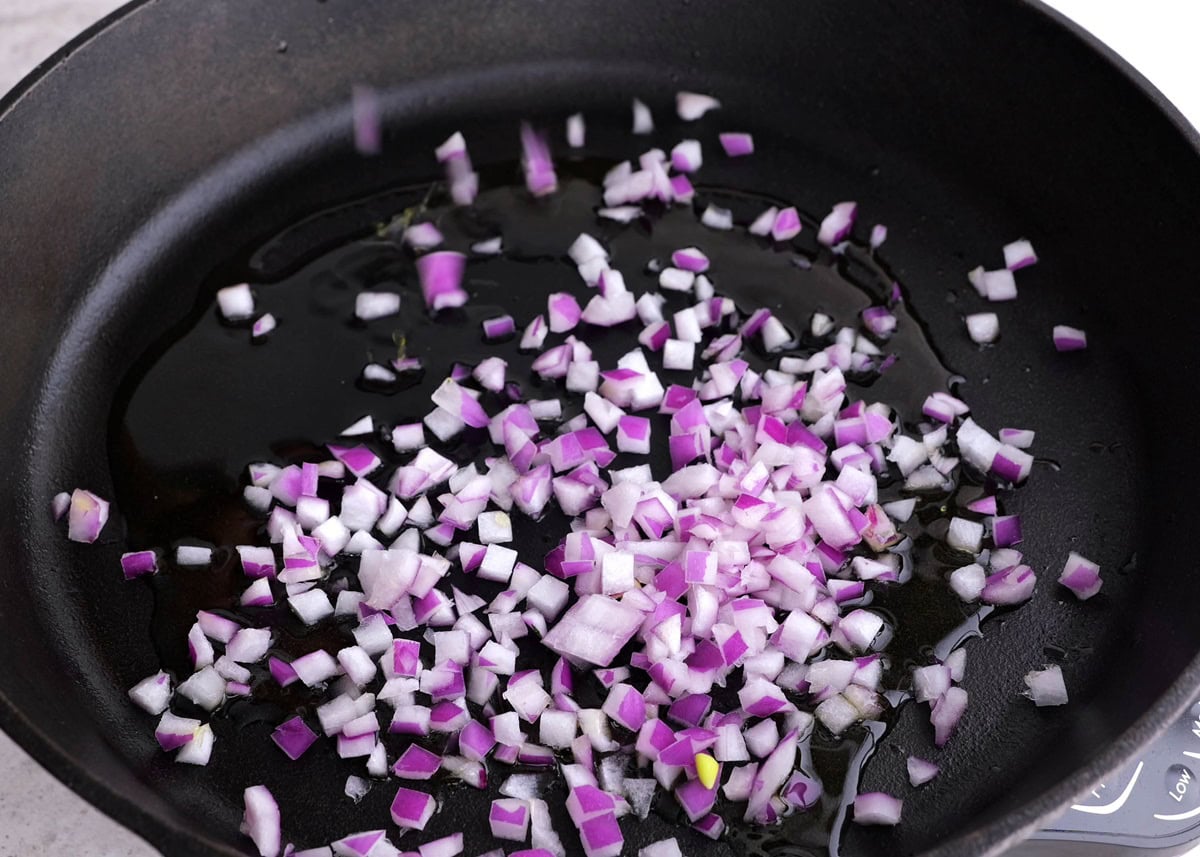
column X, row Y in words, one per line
column 178, row 137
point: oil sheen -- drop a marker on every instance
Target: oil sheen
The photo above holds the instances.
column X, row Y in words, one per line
column 205, row 401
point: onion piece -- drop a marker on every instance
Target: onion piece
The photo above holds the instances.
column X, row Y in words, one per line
column 369, row 306
column 771, row 776
column 594, row 630
column 441, row 275
column 1081, row 576
column 1046, row 686
column 877, row 808
column 736, row 144
column 368, row 124
column 363, row 844
column 423, row 236
column 263, row 325
column 152, row 694
column 576, row 130
column 540, row 178
column 86, row 516
column 692, row 105
column 412, row 809
column 643, row 121
column 836, row 226
column 1069, row 338
column 260, row 820
column 661, row 848
column 946, row 714
column 983, row 327
column 293, row 737
column 139, row 563
column 236, row 303
column 920, row 771
column 1019, row 254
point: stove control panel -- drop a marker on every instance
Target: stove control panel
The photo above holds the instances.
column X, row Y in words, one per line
column 1150, row 808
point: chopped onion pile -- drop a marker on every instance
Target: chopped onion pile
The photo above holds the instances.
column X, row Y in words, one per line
column 721, row 607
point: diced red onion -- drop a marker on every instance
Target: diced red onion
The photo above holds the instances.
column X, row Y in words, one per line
column 968, row 582
column 718, row 218
column 1010, row 586
column 368, row 124
column 736, row 144
column 540, row 178
column 293, row 737
column 643, row 121
column 877, row 808
column 198, row 751
column 771, row 776
column 787, row 225
column 152, row 694
column 441, row 275
column 601, row 836
column 692, row 105
column 920, row 771
column 1019, row 254
column 687, row 156
column 1081, row 576
column 575, row 130
column 236, row 302
column 193, row 555
column 681, row 189
column 499, row 327
column 412, row 809
column 563, row 312
column 1069, row 338
column 594, row 630
column 620, row 213
column 946, row 713
column 999, row 285
column 662, row 848
column 260, row 820
column 836, row 226
column 509, row 819
column 60, row 504
column 423, row 236
column 139, row 563
column 86, row 517
column 879, row 320
column 263, row 325
column 364, row 844
column 488, row 247
column 983, row 327
column 1046, row 686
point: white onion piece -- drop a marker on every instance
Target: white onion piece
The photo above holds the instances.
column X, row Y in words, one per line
column 692, row 105
column 983, row 327
column 1046, row 686
column 372, row 305
column 643, row 121
column 877, row 808
column 236, row 302
column 198, row 751
column 576, row 130
column 260, row 820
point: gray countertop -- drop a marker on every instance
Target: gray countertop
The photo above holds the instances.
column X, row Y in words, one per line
column 39, row 815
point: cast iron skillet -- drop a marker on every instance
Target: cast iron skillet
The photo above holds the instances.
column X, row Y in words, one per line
column 174, row 132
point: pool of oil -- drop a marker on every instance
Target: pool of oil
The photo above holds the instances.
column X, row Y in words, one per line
column 205, row 401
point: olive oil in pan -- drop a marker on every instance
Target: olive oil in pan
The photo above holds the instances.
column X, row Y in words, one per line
column 205, row 401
